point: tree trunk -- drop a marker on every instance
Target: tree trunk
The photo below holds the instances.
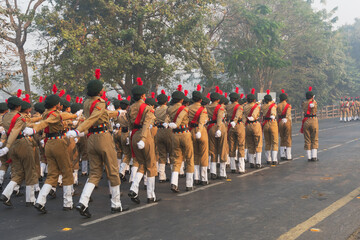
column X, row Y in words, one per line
column 24, row 68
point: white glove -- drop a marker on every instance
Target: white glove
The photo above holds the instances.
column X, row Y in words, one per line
column 76, row 140
column 218, row 134
column 42, row 143
column 172, row 125
column 272, row 117
column 251, row 119
column 79, row 113
column 312, row 105
column 111, row 107
column 29, row 131
column 4, row 151
column 150, row 126
column 127, row 141
column 141, row 145
column 122, row 112
column 74, row 133
column 1, row 144
column 284, row 120
column 233, row 124
column 2, row 129
column 166, row 125
column 198, row 135
column 117, row 125
column 75, row 122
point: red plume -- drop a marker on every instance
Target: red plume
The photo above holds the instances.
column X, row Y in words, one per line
column 18, row 94
column 186, row 92
column 128, row 98
column 208, row 95
column 41, row 99
column 139, row 81
column 27, row 98
column 310, row 89
column 282, row 90
column 77, row 99
column 217, row 89
column 237, row 90
column 253, row 91
column 221, row 92
column 241, row 95
column 54, row 89
column 108, row 103
column 169, row 97
column 119, row 97
column 198, row 88
column 62, row 93
column 179, row 88
column 246, row 96
column 226, row 94
column 152, row 95
column 68, row 98
column 103, row 96
column 6, row 100
column 97, row 73
column 81, row 100
column 163, row 92
column 268, row 91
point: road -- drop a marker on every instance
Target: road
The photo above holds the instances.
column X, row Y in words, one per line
column 294, row 200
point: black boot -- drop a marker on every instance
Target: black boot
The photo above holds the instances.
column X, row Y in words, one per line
column 40, row 208
column 84, row 211
column 153, row 200
column 314, row 159
column 52, row 194
column 188, row 189
column 17, row 193
column 67, row 209
column 233, row 171
column 119, row 209
column 174, row 188
column 213, row 176
column 6, row 201
column 163, row 181
column 29, row 204
column 134, row 197
column 258, row 166
column 204, row 183
column 197, row 182
column 252, row 165
column 122, row 178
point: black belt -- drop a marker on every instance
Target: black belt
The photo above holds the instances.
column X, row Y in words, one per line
column 212, row 122
column 137, row 126
column 268, row 119
column 20, row 136
column 193, row 125
column 160, row 125
column 239, row 121
column 124, row 129
column 310, row 115
column 248, row 121
column 282, row 116
column 55, row 134
column 98, row 129
column 180, row 130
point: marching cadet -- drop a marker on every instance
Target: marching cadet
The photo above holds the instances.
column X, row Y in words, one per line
column 3, row 165
column 140, row 117
column 270, row 129
column 357, row 108
column 182, row 146
column 217, row 136
column 253, row 130
column 101, row 148
column 346, row 110
column 236, row 133
column 17, row 148
column 198, row 117
column 341, row 109
column 285, row 126
column 163, row 136
column 310, row 126
column 39, row 110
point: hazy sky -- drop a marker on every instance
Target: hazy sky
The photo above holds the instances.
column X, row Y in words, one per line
column 347, row 12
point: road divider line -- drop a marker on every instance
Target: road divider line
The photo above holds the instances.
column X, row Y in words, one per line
column 200, row 189
column 37, row 238
column 117, row 215
column 339, row 145
column 320, row 216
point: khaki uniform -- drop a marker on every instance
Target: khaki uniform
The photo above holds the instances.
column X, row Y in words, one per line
column 4, row 165
column 285, row 130
column 253, row 133
column 311, row 129
column 82, row 150
column 217, row 146
column 163, row 139
column 271, row 132
column 347, row 116
column 124, row 143
column 236, row 136
column 201, row 145
column 341, row 109
column 182, row 145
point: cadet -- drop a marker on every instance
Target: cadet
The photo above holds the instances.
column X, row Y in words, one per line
column 284, row 122
column 310, row 126
column 341, row 109
column 3, row 165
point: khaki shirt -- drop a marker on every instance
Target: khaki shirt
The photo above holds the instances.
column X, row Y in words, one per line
column 220, row 114
column 193, row 108
column 305, row 105
column 265, row 108
column 100, row 114
column 20, row 124
column 280, row 109
column 255, row 114
column 54, row 120
column 183, row 117
column 161, row 115
column 147, row 118
column 230, row 112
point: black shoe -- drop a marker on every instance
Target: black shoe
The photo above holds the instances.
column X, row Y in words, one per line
column 110, row 196
column 122, row 178
column 40, row 208
column 258, row 166
column 213, row 176
column 188, row 189
column 0, row 186
column 204, row 183
column 84, row 211
column 283, row 158
column 18, row 193
column 119, row 209
column 233, row 171
column 314, row 159
column 153, row 200
column 134, row 197
column 67, row 208
column 127, row 172
column 309, row 160
column 222, row 177
column 52, row 194
column 40, row 179
column 268, row 162
column 275, row 163
column 163, row 181
column 145, row 187
column 6, row 201
column 174, row 188
column 29, row 204
column 252, row 165
column 181, row 175
column 197, row 182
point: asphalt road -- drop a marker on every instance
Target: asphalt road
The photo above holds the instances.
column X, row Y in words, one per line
column 294, row 200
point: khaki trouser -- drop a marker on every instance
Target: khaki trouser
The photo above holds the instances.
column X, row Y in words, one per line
column 164, row 144
column 73, row 153
column 4, row 165
column 201, row 148
column 236, row 140
column 218, row 146
column 346, row 113
column 117, row 141
column 145, row 158
column 125, row 148
column 271, row 136
column 311, row 134
column 82, row 148
column 23, row 164
column 285, row 134
column 183, row 149
column 101, row 152
column 254, row 137
column 57, row 155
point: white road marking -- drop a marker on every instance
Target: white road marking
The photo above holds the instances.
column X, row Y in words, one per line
column 339, row 145
column 37, row 238
column 118, row 214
